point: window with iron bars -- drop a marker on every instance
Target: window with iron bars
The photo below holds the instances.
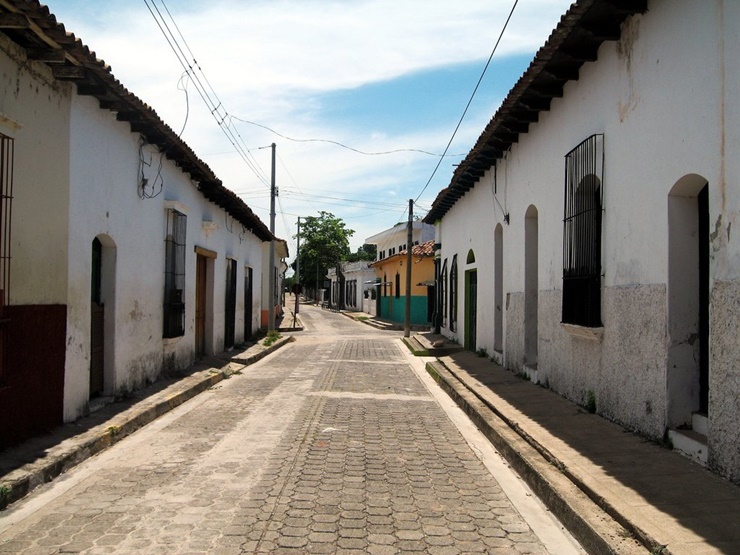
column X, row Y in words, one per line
column 584, row 172
column 7, row 147
column 174, row 274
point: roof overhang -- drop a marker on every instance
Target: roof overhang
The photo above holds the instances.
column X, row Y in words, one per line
column 575, row 41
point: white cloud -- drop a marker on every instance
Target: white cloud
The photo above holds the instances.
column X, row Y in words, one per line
column 268, row 60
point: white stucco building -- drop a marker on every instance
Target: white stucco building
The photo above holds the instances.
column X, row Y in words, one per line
column 393, row 240
column 353, row 288
column 123, row 254
column 281, row 266
column 592, row 225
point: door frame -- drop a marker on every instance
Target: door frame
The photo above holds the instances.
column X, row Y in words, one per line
column 471, row 310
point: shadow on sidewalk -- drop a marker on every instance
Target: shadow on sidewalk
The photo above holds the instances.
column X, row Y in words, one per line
column 636, row 476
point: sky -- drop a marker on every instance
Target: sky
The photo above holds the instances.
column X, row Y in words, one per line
column 387, row 78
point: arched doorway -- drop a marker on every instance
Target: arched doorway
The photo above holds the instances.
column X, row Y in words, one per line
column 102, row 316
column 688, row 299
column 531, row 287
column 471, row 304
column 498, row 289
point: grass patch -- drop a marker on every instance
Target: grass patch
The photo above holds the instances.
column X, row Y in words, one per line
column 4, row 495
column 590, row 402
column 271, row 337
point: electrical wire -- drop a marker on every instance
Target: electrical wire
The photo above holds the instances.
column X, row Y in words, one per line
column 470, row 101
column 337, row 143
column 194, row 71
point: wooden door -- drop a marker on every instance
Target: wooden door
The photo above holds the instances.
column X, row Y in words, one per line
column 248, row 293
column 201, row 280
column 704, row 258
column 471, row 331
column 230, row 304
column 97, row 322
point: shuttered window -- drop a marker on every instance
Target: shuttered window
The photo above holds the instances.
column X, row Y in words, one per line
column 174, row 274
column 584, row 169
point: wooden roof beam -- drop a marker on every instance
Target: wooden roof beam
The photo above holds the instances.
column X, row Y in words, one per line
column 535, row 103
column 91, row 89
column 604, row 30
column 515, row 126
column 551, row 90
column 47, row 55
column 129, row 115
column 525, row 116
column 628, row 6
column 69, row 73
column 561, row 72
column 14, row 21
column 580, row 52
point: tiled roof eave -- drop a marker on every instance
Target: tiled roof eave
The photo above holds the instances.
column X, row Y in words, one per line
column 575, row 41
column 47, row 41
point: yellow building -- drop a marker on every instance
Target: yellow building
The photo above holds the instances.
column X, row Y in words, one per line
column 391, row 273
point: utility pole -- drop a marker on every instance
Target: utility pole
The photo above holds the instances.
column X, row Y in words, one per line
column 409, row 246
column 298, row 266
column 271, row 288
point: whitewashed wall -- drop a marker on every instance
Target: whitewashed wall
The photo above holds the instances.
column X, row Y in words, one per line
column 34, row 110
column 665, row 98
column 105, row 203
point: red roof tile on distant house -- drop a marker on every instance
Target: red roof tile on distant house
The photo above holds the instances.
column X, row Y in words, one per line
column 423, row 250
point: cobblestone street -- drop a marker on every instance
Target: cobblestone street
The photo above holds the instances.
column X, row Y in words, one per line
column 333, row 444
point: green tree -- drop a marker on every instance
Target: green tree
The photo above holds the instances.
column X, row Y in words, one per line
column 365, row 252
column 324, row 243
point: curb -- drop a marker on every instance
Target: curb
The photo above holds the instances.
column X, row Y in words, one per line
column 593, row 527
column 22, row 481
column 416, row 348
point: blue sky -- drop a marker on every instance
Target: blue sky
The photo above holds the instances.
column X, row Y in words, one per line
column 375, row 75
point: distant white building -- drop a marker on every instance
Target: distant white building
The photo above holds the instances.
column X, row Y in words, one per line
column 352, row 287
column 591, row 229
column 394, row 240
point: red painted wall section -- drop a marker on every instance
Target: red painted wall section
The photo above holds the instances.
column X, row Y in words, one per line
column 32, row 381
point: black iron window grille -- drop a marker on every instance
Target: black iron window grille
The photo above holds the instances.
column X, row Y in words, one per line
column 584, row 172
column 453, row 294
column 6, row 200
column 7, row 147
column 174, row 274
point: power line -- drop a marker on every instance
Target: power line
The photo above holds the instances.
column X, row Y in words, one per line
column 189, row 63
column 342, row 145
column 467, row 106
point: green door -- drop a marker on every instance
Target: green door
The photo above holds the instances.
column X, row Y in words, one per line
column 471, row 309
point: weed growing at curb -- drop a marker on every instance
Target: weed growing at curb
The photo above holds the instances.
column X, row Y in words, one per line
column 482, row 353
column 4, row 494
column 272, row 336
column 590, row 403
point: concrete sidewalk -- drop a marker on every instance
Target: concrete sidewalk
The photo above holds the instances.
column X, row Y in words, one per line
column 584, row 466
column 26, row 466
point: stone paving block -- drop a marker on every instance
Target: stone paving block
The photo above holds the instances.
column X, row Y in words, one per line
column 335, row 446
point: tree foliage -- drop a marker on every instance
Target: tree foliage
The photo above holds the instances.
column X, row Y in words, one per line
column 324, row 243
column 365, row 252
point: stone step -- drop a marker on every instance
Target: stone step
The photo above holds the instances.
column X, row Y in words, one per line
column 690, row 444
